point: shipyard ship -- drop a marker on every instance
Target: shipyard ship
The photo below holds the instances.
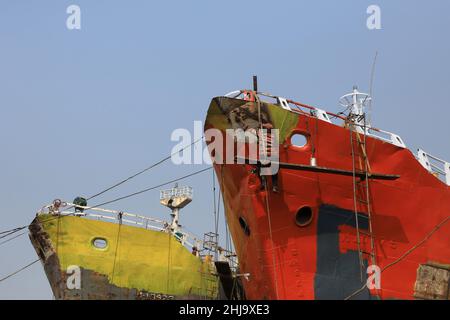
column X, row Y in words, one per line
column 351, row 212
column 96, row 253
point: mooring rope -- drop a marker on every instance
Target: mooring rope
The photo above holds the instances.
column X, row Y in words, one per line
column 404, row 255
column 21, row 269
column 117, row 247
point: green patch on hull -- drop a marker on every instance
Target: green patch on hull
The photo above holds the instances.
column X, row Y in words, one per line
column 221, row 107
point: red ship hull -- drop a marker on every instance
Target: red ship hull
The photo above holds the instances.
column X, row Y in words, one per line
column 320, row 260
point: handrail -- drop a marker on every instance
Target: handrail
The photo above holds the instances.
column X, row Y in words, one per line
column 115, row 212
column 235, row 94
column 323, row 115
column 314, row 108
column 443, row 171
column 393, row 138
column 186, row 238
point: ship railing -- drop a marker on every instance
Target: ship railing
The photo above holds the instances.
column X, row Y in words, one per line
column 210, row 247
column 187, row 239
column 315, row 112
column 176, row 192
column 286, row 104
column 436, row 166
column 128, row 218
column 386, row 136
column 232, row 259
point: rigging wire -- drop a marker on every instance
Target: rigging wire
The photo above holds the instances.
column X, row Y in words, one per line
column 265, row 146
column 214, row 201
column 117, row 248
column 114, row 200
column 143, row 171
column 218, row 212
column 9, row 234
column 216, row 227
column 372, row 73
column 14, row 230
column 150, row 188
column 16, row 236
column 358, row 236
column 127, row 196
column 227, row 232
column 169, row 260
column 7, row 231
column 271, row 239
column 108, row 202
column 21, row 269
column 132, row 194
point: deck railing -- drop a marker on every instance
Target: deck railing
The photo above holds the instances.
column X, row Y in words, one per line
column 440, row 168
column 319, row 114
column 186, row 238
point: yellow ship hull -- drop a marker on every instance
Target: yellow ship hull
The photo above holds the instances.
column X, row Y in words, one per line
column 132, row 263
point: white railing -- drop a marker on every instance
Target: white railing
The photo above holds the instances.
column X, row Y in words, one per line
column 386, row 136
column 434, row 165
column 321, row 115
column 127, row 218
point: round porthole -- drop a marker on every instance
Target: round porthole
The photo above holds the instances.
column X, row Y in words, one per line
column 244, row 226
column 304, row 216
column 299, row 140
column 100, row 243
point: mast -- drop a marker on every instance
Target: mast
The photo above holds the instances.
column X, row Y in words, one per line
column 356, row 102
column 176, row 199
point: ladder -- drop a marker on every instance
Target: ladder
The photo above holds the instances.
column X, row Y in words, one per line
column 361, row 192
column 209, row 284
column 209, row 278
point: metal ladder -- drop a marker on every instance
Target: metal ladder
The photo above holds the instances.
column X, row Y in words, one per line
column 209, row 277
column 362, row 193
column 208, row 284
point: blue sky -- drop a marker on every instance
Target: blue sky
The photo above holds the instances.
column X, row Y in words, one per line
column 81, row 109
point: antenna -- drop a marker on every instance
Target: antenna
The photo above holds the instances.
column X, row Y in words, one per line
column 356, row 102
column 372, row 74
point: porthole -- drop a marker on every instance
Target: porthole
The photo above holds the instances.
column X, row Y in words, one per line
column 244, row 226
column 304, row 216
column 299, row 140
column 100, row 243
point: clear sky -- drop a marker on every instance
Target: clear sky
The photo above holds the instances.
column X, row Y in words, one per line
column 81, row 109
